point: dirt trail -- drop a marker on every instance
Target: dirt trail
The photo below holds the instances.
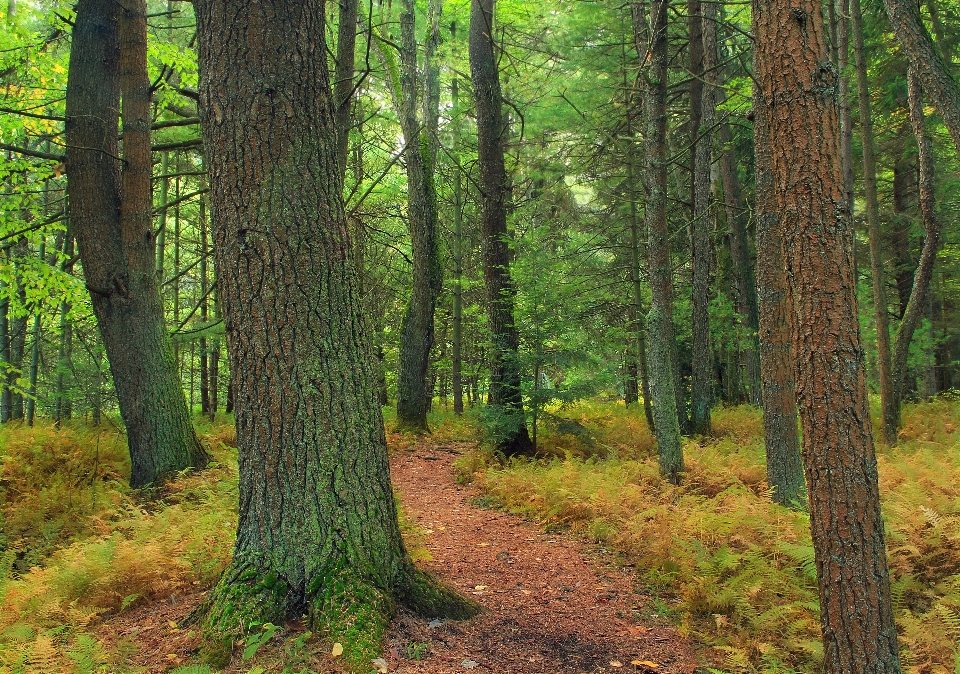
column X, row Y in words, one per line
column 554, row 604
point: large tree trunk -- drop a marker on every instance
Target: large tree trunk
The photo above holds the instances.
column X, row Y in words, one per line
column 660, row 317
column 777, row 362
column 880, row 310
column 417, row 330
column 702, row 379
column 917, row 304
column 504, row 397
column 112, row 219
column 799, row 89
column 317, row 531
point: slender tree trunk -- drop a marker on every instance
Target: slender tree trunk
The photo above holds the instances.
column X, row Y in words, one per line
column 660, row 317
column 31, row 401
column 842, row 22
column 318, row 531
column 343, row 86
column 931, row 244
column 457, row 246
column 111, row 212
column 18, row 333
column 799, row 90
column 6, row 400
column 702, row 380
column 162, row 229
column 881, row 315
column 743, row 270
column 62, row 407
column 504, row 396
column 204, row 289
column 417, row 330
column 777, row 360
column 214, row 387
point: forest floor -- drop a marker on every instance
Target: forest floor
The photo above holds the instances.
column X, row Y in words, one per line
column 552, row 603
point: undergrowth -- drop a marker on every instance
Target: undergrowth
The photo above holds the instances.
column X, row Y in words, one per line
column 739, row 567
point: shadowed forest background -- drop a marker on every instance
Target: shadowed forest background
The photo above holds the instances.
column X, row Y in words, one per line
column 580, row 244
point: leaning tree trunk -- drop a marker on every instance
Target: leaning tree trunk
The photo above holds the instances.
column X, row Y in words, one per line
column 317, row 531
column 504, row 397
column 777, row 362
column 111, row 215
column 660, row 316
column 417, row 330
column 917, row 303
column 799, row 89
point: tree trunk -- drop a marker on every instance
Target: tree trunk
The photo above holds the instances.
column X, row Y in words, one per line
column 457, row 374
column 777, row 361
column 917, row 303
column 660, row 317
column 111, row 214
column 743, row 271
column 204, row 289
column 799, row 90
column 343, row 87
column 504, row 396
column 880, row 310
column 417, row 329
column 318, row 531
column 62, row 408
column 31, row 402
column 702, row 379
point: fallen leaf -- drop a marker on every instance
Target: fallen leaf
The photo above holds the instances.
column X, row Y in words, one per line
column 480, row 587
column 380, row 665
column 616, row 663
column 638, row 629
column 172, row 624
column 171, row 656
column 468, row 664
column 645, row 663
column 337, row 650
column 482, row 545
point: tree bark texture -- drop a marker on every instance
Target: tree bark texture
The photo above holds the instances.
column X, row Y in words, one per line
column 702, row 353
column 880, row 310
column 660, row 317
column 111, row 215
column 318, row 529
column 799, row 88
column 917, row 304
column 504, row 397
column 417, row 328
column 777, row 361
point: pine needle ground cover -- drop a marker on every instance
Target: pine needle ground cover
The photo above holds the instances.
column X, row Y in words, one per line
column 733, row 568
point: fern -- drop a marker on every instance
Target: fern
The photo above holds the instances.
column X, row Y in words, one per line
column 87, row 655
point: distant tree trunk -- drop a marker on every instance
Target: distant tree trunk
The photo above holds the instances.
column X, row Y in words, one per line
column 660, row 318
column 417, row 330
column 743, row 271
column 904, row 185
column 111, row 213
column 504, row 395
column 880, row 310
column 62, row 407
column 343, row 86
column 799, row 90
column 931, row 244
column 162, row 229
column 35, row 335
column 317, row 531
column 215, row 362
column 457, row 246
column 6, row 400
column 777, row 359
column 841, row 13
column 204, row 290
column 702, row 380
column 18, row 334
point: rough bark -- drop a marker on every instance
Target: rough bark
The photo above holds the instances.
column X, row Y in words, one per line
column 880, row 310
column 917, row 304
column 660, row 316
column 777, row 362
column 420, row 133
column 702, row 353
column 799, row 88
column 504, row 397
column 317, row 531
column 111, row 213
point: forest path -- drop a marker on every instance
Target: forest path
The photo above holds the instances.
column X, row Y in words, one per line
column 553, row 603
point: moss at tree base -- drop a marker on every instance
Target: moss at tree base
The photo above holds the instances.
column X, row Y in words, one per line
column 342, row 605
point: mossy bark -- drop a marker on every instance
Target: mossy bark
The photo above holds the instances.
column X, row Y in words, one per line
column 317, row 531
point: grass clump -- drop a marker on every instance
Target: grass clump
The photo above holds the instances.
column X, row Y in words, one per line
column 738, row 567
